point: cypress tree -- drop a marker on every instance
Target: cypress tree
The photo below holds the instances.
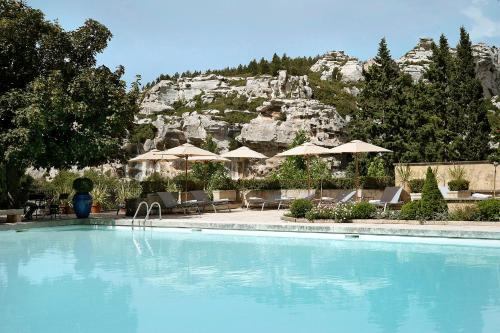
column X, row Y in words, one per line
column 432, row 202
column 434, row 109
column 382, row 117
column 470, row 126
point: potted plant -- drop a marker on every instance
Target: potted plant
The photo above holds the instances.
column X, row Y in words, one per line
column 99, row 198
column 64, row 206
column 125, row 191
column 82, row 200
column 404, row 173
column 416, row 186
column 458, row 185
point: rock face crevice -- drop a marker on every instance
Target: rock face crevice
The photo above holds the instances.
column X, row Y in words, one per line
column 282, row 104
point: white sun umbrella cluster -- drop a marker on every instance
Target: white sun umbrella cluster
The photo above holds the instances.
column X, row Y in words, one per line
column 356, row 147
column 186, row 151
column 306, row 150
column 152, row 156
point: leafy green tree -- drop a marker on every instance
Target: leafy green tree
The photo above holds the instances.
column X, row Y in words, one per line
column 203, row 171
column 57, row 109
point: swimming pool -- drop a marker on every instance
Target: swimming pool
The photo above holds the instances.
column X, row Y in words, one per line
column 104, row 279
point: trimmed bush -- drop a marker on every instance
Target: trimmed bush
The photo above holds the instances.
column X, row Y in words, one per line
column 362, row 210
column 83, row 185
column 300, row 207
column 458, row 185
column 192, row 183
column 410, row 210
column 376, row 183
column 432, row 202
column 489, row 210
column 221, row 181
column 416, row 185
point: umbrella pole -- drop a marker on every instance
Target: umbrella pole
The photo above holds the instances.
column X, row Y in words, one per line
column 357, row 176
column 186, row 178
column 308, row 177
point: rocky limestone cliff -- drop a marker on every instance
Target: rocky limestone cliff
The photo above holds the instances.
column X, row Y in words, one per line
column 487, row 58
column 284, row 102
column 350, row 69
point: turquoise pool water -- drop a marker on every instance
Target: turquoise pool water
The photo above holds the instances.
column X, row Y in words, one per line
column 82, row 279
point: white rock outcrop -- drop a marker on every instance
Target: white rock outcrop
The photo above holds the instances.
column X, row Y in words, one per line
column 351, row 69
column 280, row 121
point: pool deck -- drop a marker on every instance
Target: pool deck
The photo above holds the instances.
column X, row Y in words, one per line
column 273, row 220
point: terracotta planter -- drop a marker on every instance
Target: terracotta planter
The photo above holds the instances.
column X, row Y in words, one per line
column 65, row 209
column 96, row 208
column 459, row 194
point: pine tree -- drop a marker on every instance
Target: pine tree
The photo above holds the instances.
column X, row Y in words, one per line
column 471, row 126
column 382, row 115
column 275, row 64
column 433, row 107
column 253, row 67
column 263, row 66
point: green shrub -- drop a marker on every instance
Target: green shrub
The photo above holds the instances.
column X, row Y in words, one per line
column 338, row 183
column 362, row 210
column 192, row 183
column 221, row 181
column 468, row 213
column 432, row 202
column 127, row 189
column 341, row 213
column 416, row 185
column 83, row 185
column 410, row 210
column 376, row 183
column 300, row 207
column 154, row 183
column 62, row 183
column 489, row 210
column 458, row 185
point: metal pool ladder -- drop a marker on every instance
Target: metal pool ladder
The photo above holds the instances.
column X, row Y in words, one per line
column 148, row 211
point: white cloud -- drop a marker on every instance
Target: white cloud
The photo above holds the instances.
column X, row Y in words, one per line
column 482, row 25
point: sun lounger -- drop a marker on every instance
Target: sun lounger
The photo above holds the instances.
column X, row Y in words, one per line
column 481, row 196
column 341, row 197
column 391, row 196
column 202, row 200
column 277, row 200
column 170, row 202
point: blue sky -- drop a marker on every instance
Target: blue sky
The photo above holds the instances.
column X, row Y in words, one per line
column 151, row 37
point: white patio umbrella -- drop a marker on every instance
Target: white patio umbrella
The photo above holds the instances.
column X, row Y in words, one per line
column 153, row 156
column 306, row 150
column 356, row 147
column 185, row 151
column 243, row 153
column 215, row 158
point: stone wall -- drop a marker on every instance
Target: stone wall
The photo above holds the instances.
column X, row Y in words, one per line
column 479, row 174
